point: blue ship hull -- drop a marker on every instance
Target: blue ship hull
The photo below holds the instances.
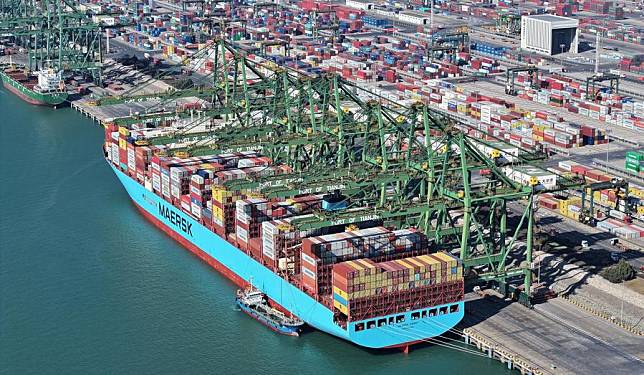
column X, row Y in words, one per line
column 396, row 330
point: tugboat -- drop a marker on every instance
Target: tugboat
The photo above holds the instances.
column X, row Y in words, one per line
column 254, row 303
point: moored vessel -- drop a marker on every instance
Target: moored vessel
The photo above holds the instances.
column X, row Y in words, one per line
column 373, row 286
column 44, row 87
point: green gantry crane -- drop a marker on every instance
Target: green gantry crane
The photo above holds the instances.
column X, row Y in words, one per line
column 618, row 186
column 511, row 74
column 400, row 166
column 55, row 34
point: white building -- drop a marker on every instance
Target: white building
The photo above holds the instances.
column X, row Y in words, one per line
column 416, row 18
column 358, row 4
column 549, row 35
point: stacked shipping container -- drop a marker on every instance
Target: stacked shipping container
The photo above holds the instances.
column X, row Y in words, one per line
column 362, row 288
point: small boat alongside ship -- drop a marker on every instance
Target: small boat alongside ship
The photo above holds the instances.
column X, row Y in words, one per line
column 44, row 87
column 255, row 304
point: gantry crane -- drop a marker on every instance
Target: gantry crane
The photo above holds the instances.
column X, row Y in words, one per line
column 402, row 166
column 450, row 43
column 510, row 77
column 55, row 34
column 618, row 186
column 333, row 26
column 601, row 77
column 509, row 23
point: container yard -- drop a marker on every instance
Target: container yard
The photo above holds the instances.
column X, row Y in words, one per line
column 386, row 173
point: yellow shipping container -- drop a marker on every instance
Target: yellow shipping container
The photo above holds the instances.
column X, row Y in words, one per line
column 365, row 264
column 636, row 192
column 219, row 194
column 640, row 210
column 403, row 263
column 122, row 144
column 435, row 264
column 359, row 269
column 340, row 292
column 417, row 264
column 217, row 212
column 450, row 261
column 343, row 309
column 124, row 131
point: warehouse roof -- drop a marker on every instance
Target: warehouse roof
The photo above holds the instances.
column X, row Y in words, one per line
column 554, row 22
column 550, row 18
column 415, row 13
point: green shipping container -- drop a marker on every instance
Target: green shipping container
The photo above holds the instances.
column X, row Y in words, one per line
column 635, row 155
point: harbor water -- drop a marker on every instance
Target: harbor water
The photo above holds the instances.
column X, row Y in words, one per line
column 88, row 286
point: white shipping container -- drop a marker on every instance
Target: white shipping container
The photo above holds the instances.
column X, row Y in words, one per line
column 131, row 159
column 195, row 209
column 165, row 189
column 176, row 192
column 115, row 154
column 617, row 214
column 567, row 165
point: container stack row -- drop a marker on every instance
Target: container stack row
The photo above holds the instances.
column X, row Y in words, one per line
column 319, row 253
column 363, row 288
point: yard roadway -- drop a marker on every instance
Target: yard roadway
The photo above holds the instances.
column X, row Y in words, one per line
column 598, row 329
column 571, row 233
column 558, row 337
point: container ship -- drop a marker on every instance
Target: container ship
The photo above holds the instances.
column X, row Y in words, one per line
column 45, row 87
column 371, row 285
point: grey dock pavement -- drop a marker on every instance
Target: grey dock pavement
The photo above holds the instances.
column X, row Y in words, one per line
column 555, row 337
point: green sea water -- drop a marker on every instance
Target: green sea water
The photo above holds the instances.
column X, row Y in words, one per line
column 88, row 286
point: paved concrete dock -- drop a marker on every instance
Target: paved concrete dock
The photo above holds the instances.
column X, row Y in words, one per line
column 556, row 336
column 106, row 113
